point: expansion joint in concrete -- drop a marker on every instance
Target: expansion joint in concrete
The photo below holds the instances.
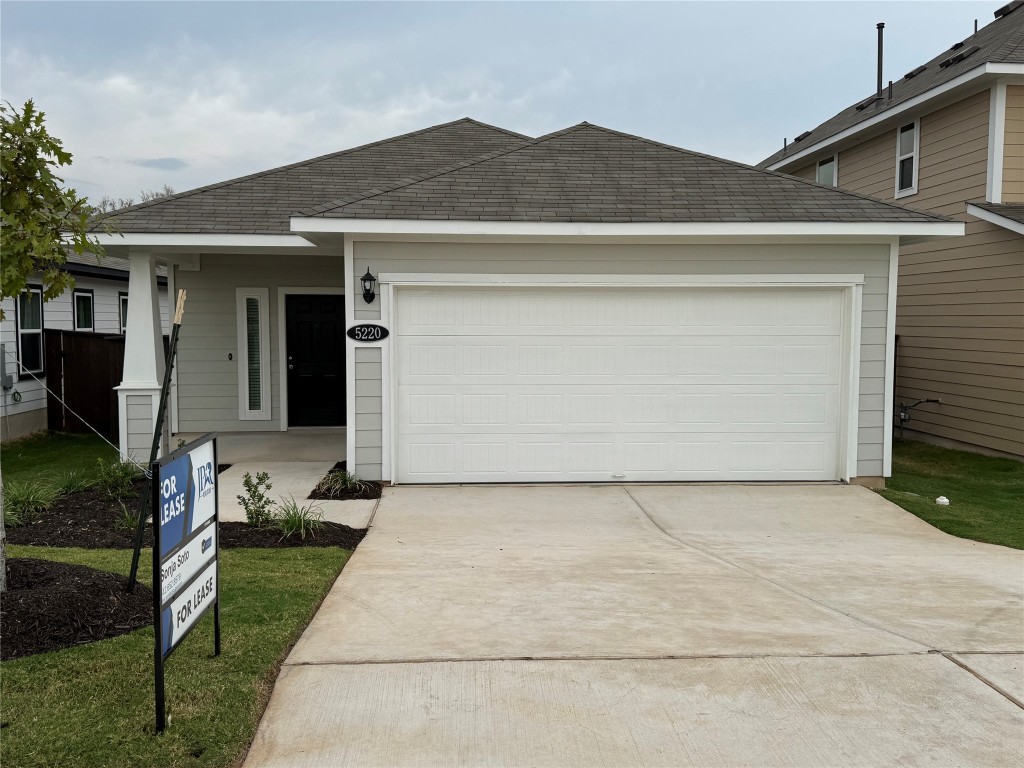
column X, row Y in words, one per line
column 998, row 689
column 600, row 658
column 751, row 572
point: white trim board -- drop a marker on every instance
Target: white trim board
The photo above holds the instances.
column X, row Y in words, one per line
column 798, row 230
column 170, row 240
column 350, row 358
column 996, row 143
column 890, row 358
column 282, row 340
column 995, row 218
column 625, row 281
column 989, row 68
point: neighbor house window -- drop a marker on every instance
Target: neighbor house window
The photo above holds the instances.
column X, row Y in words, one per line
column 122, row 302
column 253, row 353
column 83, row 308
column 827, row 171
column 906, row 159
column 30, row 330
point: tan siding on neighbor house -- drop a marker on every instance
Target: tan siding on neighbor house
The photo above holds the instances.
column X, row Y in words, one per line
column 960, row 308
column 1013, row 152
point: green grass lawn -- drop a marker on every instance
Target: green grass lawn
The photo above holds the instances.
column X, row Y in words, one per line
column 986, row 494
column 43, row 457
column 93, row 705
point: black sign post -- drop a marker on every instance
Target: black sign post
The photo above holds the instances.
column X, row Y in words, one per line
column 185, row 552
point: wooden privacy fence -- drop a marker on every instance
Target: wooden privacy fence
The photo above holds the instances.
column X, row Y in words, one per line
column 83, row 369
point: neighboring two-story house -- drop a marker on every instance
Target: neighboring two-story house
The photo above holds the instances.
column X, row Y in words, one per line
column 947, row 137
column 97, row 304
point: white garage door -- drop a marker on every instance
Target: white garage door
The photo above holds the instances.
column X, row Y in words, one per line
column 559, row 384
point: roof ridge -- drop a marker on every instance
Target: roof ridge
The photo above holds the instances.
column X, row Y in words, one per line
column 342, row 202
column 746, row 167
column 299, row 164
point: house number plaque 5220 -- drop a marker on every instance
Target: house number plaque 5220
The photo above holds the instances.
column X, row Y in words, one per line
column 367, row 332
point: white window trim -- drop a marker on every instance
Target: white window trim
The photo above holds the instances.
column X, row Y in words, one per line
column 122, row 318
column 834, row 159
column 912, row 190
column 92, row 310
column 244, row 412
column 42, row 324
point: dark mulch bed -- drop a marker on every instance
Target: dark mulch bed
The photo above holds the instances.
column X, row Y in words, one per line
column 330, row 535
column 92, row 520
column 49, row 606
column 367, row 489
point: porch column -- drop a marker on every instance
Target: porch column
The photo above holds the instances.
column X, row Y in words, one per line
column 138, row 396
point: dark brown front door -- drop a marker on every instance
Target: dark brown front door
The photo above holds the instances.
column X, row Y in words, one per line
column 316, row 360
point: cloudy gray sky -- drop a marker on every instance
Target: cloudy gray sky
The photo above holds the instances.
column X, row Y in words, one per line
column 188, row 93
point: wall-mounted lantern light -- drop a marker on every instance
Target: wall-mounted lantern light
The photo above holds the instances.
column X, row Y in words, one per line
column 368, row 281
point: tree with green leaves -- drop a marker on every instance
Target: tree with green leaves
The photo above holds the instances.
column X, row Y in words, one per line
column 42, row 219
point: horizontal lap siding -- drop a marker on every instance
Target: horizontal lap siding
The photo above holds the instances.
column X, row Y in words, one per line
column 580, row 259
column 960, row 309
column 207, row 379
column 57, row 314
column 1013, row 154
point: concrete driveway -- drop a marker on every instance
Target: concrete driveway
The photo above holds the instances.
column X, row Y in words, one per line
column 656, row 626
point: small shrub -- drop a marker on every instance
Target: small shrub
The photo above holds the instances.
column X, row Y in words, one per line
column 22, row 501
column 292, row 518
column 74, row 481
column 115, row 478
column 255, row 501
column 340, row 481
column 127, row 519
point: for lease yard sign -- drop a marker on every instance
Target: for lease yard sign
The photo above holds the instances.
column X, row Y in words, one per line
column 184, row 549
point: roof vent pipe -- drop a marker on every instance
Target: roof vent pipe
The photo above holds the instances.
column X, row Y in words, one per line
column 889, row 97
column 878, row 90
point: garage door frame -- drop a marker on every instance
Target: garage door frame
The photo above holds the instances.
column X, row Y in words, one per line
column 851, row 286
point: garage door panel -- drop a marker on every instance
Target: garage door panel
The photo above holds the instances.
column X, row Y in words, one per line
column 595, row 385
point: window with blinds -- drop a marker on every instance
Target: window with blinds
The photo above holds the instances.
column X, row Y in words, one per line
column 252, row 346
column 253, row 354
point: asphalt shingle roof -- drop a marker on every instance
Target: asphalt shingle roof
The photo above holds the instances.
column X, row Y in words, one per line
column 1001, row 41
column 262, row 203
column 587, row 173
column 1011, row 211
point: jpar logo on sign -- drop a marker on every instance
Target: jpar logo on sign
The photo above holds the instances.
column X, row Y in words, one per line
column 185, row 548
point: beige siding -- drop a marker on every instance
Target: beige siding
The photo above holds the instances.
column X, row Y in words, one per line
column 1013, row 156
column 139, row 418
column 368, row 426
column 207, row 378
column 960, row 312
column 809, row 172
column 449, row 258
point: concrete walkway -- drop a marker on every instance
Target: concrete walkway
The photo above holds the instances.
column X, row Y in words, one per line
column 656, row 626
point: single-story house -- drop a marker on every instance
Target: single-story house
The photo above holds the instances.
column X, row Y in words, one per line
column 98, row 303
column 473, row 305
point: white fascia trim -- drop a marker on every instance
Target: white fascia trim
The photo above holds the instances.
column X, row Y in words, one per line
column 652, row 229
column 995, row 218
column 914, row 103
column 262, row 295
column 620, row 281
column 996, row 141
column 157, row 240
